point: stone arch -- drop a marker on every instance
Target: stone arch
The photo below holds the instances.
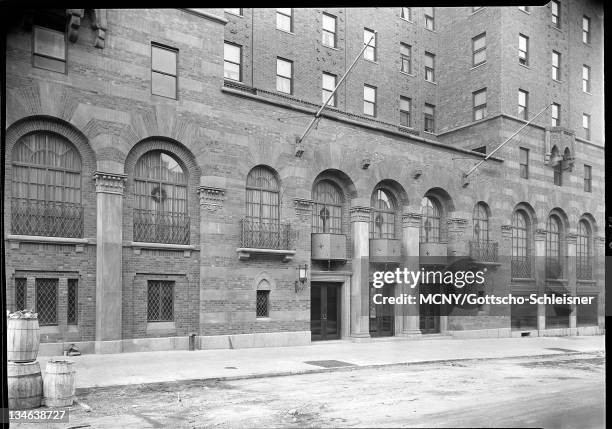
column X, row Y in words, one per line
column 263, row 281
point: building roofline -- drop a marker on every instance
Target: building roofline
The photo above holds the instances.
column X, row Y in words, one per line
column 331, row 115
column 203, row 14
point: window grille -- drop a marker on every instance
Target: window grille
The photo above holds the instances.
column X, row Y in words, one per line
column 21, row 293
column 584, row 259
column 520, row 265
column 382, row 221
column 327, row 208
column 430, row 220
column 160, row 301
column 46, row 187
column 72, row 307
column 263, row 303
column 46, row 301
column 554, row 269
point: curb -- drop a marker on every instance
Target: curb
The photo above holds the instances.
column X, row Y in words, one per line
column 353, row 367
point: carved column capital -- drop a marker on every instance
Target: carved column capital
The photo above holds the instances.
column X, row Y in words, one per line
column 303, row 208
column 506, row 231
column 539, row 234
column 457, row 224
column 211, row 198
column 360, row 214
column 571, row 238
column 109, row 183
column 411, row 220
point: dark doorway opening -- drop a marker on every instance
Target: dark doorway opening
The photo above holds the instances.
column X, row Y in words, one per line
column 382, row 317
column 325, row 311
column 429, row 313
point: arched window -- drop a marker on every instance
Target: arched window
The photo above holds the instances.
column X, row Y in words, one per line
column 382, row 223
column 584, row 262
column 520, row 266
column 261, row 228
column 160, row 191
column 430, row 220
column 553, row 248
column 46, row 187
column 481, row 223
column 327, row 209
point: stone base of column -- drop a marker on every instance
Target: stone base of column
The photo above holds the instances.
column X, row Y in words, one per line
column 360, row 337
column 412, row 333
column 108, row 347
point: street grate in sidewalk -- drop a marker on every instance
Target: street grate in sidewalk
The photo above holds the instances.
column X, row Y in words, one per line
column 328, row 363
column 558, row 349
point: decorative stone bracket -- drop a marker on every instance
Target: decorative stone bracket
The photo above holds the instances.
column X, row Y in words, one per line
column 99, row 24
column 110, row 183
column 211, row 198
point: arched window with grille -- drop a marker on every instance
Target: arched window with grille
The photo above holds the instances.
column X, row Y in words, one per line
column 46, row 191
column 554, row 268
column 382, row 223
column 160, row 207
column 327, row 208
column 520, row 265
column 584, row 259
column 481, row 223
column 261, row 227
column 430, row 220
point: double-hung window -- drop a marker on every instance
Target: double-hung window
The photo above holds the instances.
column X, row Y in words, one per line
column 370, row 50
column 405, row 108
column 328, row 85
column 479, row 49
column 369, row 100
column 555, row 112
column 284, row 19
column 284, row 75
column 586, row 78
column 232, row 55
column 556, row 65
column 555, row 13
column 523, row 50
column 406, row 58
column 163, row 71
column 429, row 117
column 430, row 60
column 329, row 30
column 480, row 104
column 586, row 29
column 430, row 23
column 523, row 104
column 49, row 49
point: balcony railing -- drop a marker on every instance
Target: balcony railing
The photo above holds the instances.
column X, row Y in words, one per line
column 554, row 269
column 256, row 234
column 584, row 269
column 484, row 251
column 46, row 218
column 152, row 226
column 521, row 267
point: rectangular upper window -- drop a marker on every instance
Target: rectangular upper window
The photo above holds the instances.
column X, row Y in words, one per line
column 586, row 29
column 284, row 75
column 370, row 50
column 328, row 84
column 555, row 112
column 523, row 104
column 232, row 56
column 524, row 162
column 406, row 13
column 523, row 50
column 369, row 100
column 329, row 30
column 479, row 49
column 163, row 71
column 430, row 23
column 284, row 19
column 555, row 13
column 587, row 178
column 586, row 125
column 406, row 58
column 429, row 118
column 49, row 49
column 586, row 78
column 430, row 60
column 405, row 111
column 479, row 104
column 556, row 65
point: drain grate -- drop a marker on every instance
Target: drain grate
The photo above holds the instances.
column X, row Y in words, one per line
column 558, row 349
column 328, row 363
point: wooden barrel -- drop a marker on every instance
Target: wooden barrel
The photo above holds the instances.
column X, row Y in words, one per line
column 59, row 384
column 25, row 385
column 23, row 339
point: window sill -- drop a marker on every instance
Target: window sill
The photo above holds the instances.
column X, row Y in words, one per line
column 556, row 80
column 433, row 133
column 330, row 47
column 406, row 20
column 524, row 11
column 285, row 31
column 587, row 282
column 478, row 65
column 244, row 253
column 264, row 319
column 430, row 30
column 233, row 14
column 476, row 11
column 78, row 242
column 525, row 65
column 138, row 246
column 522, row 280
column 557, row 281
column 371, row 61
column 49, row 329
column 160, row 326
column 586, row 92
column 432, row 82
column 555, row 27
column 407, row 74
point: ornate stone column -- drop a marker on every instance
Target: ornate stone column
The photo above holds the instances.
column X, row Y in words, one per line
column 571, row 273
column 109, row 236
column 411, row 223
column 540, row 272
column 360, row 287
column 457, row 235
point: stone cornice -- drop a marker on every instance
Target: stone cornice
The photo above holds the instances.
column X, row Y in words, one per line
column 203, row 14
column 109, row 183
column 211, row 198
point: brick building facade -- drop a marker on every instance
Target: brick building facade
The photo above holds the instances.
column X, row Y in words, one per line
column 154, row 188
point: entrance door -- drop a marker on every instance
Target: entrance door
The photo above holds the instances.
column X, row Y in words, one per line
column 325, row 311
column 381, row 315
column 429, row 314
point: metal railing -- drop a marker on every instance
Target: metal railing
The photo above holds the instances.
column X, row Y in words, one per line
column 584, row 269
column 484, row 251
column 46, row 218
column 554, row 269
column 521, row 267
column 258, row 234
column 152, row 226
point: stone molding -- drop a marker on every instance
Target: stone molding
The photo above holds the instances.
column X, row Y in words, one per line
column 109, row 183
column 571, row 238
column 211, row 198
column 539, row 234
column 411, row 220
column 506, row 231
column 360, row 214
column 457, row 224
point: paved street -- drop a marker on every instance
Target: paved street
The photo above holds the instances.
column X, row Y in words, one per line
column 563, row 391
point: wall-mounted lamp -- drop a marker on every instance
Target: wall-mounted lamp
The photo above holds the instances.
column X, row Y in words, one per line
column 300, row 283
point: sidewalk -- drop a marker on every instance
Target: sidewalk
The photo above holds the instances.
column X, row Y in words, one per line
column 151, row 367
